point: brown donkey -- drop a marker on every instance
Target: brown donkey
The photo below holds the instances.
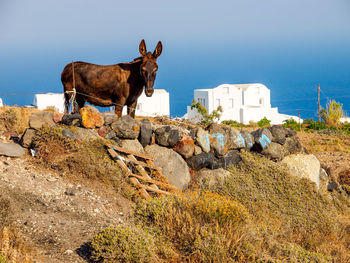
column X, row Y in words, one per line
column 111, row 85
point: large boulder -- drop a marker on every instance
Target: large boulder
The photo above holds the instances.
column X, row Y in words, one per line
column 215, row 128
column 262, row 138
column 218, row 142
column 304, row 165
column 174, row 167
column 109, row 118
column 248, row 139
column 278, row 134
column 234, row 139
column 274, row 151
column 11, row 149
column 91, row 117
column 203, row 139
column 175, row 136
column 39, row 119
column 212, row 178
column 84, row 134
column 133, row 145
column 185, row 146
column 27, row 138
column 145, row 132
column 71, row 119
column 162, row 135
column 126, row 127
column 201, row 160
column 292, row 145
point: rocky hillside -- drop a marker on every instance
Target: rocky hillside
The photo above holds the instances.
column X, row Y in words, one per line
column 242, row 195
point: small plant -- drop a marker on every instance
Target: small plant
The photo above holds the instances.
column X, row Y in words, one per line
column 314, row 125
column 334, row 112
column 264, row 122
column 207, row 118
column 232, row 123
column 292, row 124
column 122, row 244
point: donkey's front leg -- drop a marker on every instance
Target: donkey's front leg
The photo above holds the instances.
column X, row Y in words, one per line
column 132, row 109
column 119, row 104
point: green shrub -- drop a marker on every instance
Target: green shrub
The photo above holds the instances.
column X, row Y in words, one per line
column 3, row 259
column 292, row 124
column 206, row 117
column 333, row 113
column 122, row 244
column 232, row 123
column 314, row 125
column 264, row 122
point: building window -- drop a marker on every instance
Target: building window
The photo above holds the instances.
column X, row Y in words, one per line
column 261, row 101
column 231, row 105
column 226, row 90
column 201, row 101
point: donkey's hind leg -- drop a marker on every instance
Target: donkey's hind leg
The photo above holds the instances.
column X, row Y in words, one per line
column 78, row 103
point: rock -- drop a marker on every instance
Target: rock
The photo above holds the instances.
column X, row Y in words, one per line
column 133, row 145
column 185, row 146
column 67, row 133
column 57, row 117
column 193, row 132
column 278, row 134
column 304, row 165
column 200, row 161
column 27, row 138
column 71, row 119
column 126, row 127
column 175, row 136
column 102, row 131
column 234, row 139
column 109, row 118
column 209, row 179
column 71, row 191
column 262, row 138
column 162, row 135
column 218, row 143
column 333, row 186
column 215, row 128
column 197, row 150
column 290, row 132
column 203, row 140
column 323, row 180
column 248, row 139
column 274, row 151
column 11, row 149
column 39, row 119
column 85, row 134
column 231, row 158
column 292, row 145
column 90, row 117
column 111, row 135
column 174, row 167
column 145, row 132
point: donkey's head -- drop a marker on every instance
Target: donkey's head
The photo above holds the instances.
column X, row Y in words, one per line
column 149, row 66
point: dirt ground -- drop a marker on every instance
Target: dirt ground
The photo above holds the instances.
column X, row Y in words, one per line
column 333, row 152
column 54, row 216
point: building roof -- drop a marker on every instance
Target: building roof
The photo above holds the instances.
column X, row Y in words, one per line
column 240, row 86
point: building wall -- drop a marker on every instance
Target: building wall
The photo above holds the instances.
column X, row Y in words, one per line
column 43, row 101
column 157, row 105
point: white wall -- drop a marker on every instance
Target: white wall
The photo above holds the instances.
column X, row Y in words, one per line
column 157, row 105
column 1, row 104
column 43, row 101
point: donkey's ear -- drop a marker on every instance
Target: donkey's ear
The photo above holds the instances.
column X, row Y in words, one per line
column 158, row 50
column 142, row 48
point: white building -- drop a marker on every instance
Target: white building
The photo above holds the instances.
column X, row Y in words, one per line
column 1, row 104
column 240, row 102
column 44, row 100
column 157, row 105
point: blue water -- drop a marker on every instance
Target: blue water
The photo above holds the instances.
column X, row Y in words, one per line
column 290, row 72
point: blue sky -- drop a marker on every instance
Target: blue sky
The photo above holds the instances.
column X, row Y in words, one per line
column 290, row 46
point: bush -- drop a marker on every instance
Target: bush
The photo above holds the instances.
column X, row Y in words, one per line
column 206, row 117
column 314, row 125
column 264, row 122
column 292, row 124
column 205, row 227
column 122, row 244
column 333, row 113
